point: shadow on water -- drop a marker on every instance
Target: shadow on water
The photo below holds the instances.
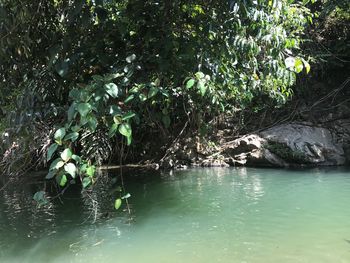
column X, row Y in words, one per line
column 23, row 223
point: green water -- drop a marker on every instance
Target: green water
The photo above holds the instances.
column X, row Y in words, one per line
column 200, row 215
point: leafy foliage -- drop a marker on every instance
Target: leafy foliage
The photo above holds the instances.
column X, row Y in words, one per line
column 101, row 72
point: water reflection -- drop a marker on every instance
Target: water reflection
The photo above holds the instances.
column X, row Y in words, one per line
column 196, row 215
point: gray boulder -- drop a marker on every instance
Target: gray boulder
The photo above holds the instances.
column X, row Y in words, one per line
column 304, row 144
column 285, row 145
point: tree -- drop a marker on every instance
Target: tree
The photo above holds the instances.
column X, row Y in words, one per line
column 105, row 70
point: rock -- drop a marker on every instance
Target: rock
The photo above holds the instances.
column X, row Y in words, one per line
column 285, row 145
column 250, row 151
column 214, row 163
column 244, row 144
column 303, row 144
column 280, row 146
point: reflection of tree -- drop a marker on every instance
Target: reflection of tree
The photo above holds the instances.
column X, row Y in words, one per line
column 252, row 187
column 23, row 219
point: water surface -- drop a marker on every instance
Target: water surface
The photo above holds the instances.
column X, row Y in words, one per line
column 197, row 215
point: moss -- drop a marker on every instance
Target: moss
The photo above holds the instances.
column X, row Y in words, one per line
column 286, row 153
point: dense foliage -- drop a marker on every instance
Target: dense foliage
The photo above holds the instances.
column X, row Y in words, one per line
column 99, row 74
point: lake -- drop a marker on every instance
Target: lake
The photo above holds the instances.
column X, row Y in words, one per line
column 196, row 215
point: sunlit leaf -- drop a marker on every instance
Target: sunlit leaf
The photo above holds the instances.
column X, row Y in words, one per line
column 59, row 165
column 307, row 66
column 130, row 98
column 63, row 180
column 128, row 140
column 71, row 169
column 66, row 154
column 115, row 110
column 125, row 129
column 117, row 203
column 128, row 115
column 152, row 92
column 142, row 97
column 190, row 83
column 90, row 171
column 112, row 89
column 202, row 87
column 298, row 65
column 130, row 58
column 199, row 75
column 290, row 62
column 59, row 134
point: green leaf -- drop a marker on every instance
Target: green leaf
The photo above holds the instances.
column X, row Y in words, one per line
column 92, row 123
column 125, row 129
column 54, row 163
column 142, row 97
column 71, row 169
column 199, row 75
column 84, row 109
column 290, row 62
column 76, row 128
column 152, row 92
column 75, row 94
column 52, row 149
column 112, row 89
column 66, row 154
column 71, row 111
column 83, row 167
column 298, row 65
column 190, row 83
column 117, row 203
column 73, row 136
column 86, row 182
column 130, row 98
column 59, row 165
column 90, row 171
column 128, row 140
column 113, row 130
column 62, row 68
column 202, row 87
column 59, row 134
column 134, row 89
column 115, row 110
column 117, row 119
column 51, row 174
column 307, row 66
column 63, row 180
column 166, row 121
column 128, row 115
column 130, row 58
column 76, row 158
